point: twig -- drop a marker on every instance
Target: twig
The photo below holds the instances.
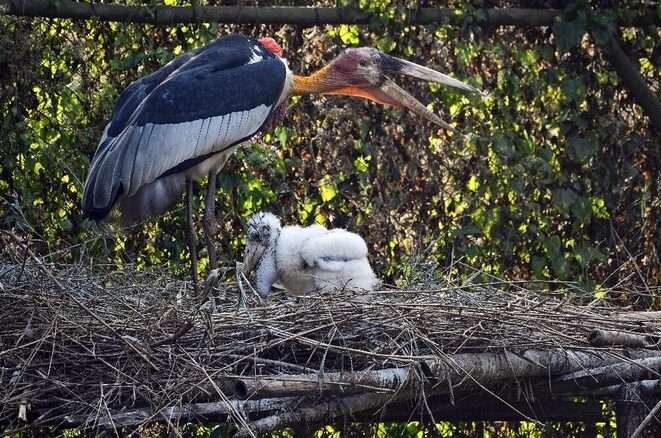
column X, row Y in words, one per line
column 646, row 420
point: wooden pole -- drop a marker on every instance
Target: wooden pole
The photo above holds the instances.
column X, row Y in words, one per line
column 296, row 15
column 631, row 410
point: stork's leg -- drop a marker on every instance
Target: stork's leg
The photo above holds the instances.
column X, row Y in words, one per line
column 209, row 222
column 191, row 240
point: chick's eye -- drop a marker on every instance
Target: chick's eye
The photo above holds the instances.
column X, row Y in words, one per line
column 363, row 63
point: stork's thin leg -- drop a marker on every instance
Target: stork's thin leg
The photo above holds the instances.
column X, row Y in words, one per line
column 209, row 222
column 191, row 240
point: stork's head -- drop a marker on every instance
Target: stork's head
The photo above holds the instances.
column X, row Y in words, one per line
column 363, row 72
column 263, row 230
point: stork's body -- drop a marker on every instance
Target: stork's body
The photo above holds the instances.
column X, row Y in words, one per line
column 184, row 120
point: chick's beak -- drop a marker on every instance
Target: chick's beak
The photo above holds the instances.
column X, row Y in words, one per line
column 252, row 255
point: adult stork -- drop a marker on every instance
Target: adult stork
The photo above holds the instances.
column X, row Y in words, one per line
column 184, row 120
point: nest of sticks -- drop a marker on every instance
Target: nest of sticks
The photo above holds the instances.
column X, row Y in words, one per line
column 110, row 349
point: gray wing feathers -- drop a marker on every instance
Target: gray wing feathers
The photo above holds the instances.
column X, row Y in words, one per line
column 161, row 147
column 141, row 154
column 152, row 199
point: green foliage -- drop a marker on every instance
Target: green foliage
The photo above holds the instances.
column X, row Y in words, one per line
column 558, row 177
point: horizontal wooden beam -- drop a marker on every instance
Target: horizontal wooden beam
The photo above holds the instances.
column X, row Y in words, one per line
column 301, row 16
column 489, row 410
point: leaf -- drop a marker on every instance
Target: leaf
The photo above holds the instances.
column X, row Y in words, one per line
column 559, row 266
column 563, row 199
column 349, row 34
column 552, row 246
column 582, row 209
column 580, row 149
column 538, row 264
column 473, row 184
column 568, row 34
column 599, row 208
column 362, row 163
column 283, row 136
column 327, row 190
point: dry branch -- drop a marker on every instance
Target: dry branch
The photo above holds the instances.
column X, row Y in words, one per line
column 634, row 412
column 604, row 338
column 301, row 16
column 633, row 81
column 643, row 317
column 641, row 427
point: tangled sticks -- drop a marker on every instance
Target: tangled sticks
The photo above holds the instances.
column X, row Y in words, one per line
column 109, row 349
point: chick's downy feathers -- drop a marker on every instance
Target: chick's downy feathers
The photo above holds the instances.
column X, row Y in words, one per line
column 305, row 259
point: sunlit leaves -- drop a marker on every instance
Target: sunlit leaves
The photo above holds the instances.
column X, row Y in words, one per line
column 349, row 34
column 327, row 189
column 557, row 149
column 361, row 163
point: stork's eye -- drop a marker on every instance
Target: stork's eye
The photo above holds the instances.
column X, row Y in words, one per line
column 363, row 63
column 253, row 236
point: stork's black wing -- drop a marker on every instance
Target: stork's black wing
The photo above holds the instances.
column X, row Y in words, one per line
column 198, row 105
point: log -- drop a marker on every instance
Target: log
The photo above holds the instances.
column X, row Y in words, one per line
column 387, row 380
column 217, row 411
column 647, row 388
column 325, row 411
column 625, row 372
column 361, row 408
column 606, row 338
column 485, row 368
column 301, row 16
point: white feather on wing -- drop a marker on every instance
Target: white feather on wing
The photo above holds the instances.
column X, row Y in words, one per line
column 333, row 249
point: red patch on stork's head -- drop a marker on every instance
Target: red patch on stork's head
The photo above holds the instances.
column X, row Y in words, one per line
column 271, row 45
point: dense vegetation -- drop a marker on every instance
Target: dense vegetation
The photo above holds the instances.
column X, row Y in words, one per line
column 559, row 178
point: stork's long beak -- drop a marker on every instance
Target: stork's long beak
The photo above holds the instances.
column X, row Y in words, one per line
column 389, row 93
column 392, row 64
